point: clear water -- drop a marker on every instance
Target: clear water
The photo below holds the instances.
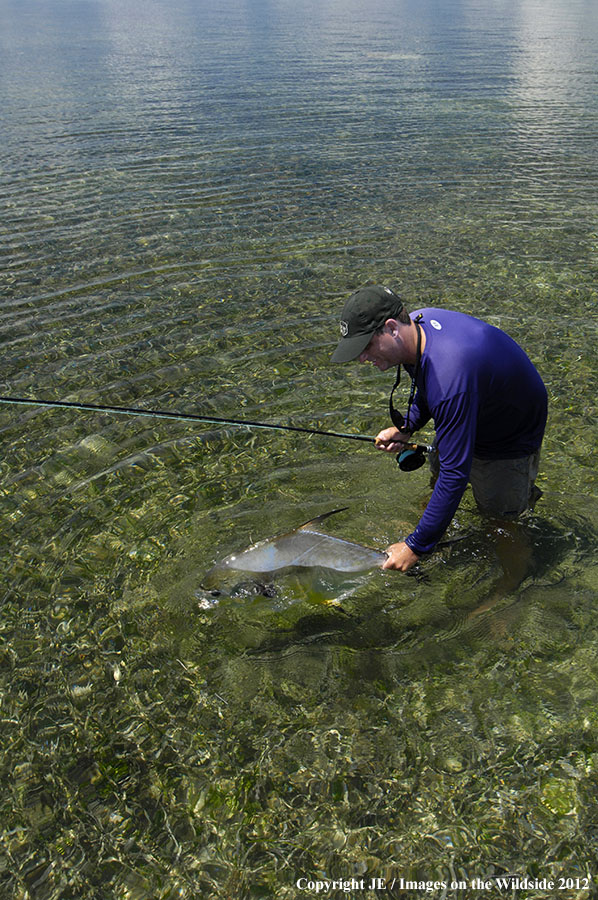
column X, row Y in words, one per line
column 189, row 192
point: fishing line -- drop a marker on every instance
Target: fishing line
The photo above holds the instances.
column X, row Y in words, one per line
column 187, row 417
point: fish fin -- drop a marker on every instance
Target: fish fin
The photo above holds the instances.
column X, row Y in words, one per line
column 321, row 518
column 336, row 604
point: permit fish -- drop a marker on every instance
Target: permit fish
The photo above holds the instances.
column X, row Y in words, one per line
column 305, row 546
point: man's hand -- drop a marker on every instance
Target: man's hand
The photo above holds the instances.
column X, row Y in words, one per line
column 392, row 440
column 400, row 557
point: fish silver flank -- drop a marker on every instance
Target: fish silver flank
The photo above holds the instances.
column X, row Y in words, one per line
column 306, row 547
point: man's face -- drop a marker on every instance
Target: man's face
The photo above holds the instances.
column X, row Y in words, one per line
column 382, row 351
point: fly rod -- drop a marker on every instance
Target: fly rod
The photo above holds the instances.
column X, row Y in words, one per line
column 189, row 417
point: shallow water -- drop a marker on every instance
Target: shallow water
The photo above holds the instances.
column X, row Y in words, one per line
column 189, row 193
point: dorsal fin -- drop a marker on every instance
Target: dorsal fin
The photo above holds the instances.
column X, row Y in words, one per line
column 321, row 518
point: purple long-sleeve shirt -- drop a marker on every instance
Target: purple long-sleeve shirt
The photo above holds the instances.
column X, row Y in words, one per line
column 486, row 399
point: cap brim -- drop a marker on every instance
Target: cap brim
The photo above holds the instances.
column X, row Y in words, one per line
column 350, row 347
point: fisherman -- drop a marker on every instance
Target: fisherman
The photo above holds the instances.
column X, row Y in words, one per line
column 487, row 400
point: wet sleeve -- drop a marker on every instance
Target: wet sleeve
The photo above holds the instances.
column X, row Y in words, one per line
column 455, row 421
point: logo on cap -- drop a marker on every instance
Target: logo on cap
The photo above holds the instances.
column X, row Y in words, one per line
column 344, row 329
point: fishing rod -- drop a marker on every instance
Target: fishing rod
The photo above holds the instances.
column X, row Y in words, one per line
column 192, row 417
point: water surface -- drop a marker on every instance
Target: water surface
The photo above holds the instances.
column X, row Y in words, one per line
column 189, row 193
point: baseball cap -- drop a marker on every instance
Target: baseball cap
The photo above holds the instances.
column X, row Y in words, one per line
column 363, row 314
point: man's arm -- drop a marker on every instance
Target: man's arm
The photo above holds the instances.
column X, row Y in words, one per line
column 456, row 422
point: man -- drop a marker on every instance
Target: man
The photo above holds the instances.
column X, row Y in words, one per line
column 487, row 400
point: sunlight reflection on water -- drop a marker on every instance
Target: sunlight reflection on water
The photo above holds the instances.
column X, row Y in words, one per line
column 188, row 196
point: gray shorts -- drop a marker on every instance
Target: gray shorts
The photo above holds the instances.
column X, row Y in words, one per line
column 501, row 487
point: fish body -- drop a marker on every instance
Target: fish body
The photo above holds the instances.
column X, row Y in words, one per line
column 304, row 547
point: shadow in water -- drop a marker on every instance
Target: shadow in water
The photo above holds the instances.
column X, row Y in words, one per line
column 476, row 590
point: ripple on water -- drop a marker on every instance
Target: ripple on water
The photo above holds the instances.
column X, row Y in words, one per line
column 188, row 246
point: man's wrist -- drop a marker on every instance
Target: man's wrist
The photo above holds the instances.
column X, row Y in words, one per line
column 409, row 542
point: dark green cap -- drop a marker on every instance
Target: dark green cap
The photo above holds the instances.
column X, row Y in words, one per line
column 364, row 313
